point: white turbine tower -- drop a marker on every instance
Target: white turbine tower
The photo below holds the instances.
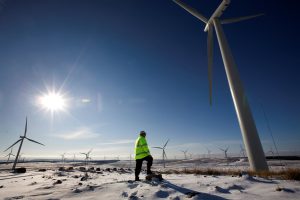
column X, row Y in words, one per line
column 164, row 155
column 251, row 139
column 21, row 140
column 8, row 155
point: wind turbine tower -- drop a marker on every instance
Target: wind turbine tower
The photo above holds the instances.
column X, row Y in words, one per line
column 164, row 155
column 250, row 136
column 21, row 140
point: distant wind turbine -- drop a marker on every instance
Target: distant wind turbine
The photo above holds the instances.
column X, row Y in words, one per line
column 271, row 152
column 251, row 139
column 242, row 152
column 184, row 152
column 21, row 140
column 63, row 157
column 8, row 155
column 87, row 156
column 208, row 152
column 164, row 155
column 225, row 151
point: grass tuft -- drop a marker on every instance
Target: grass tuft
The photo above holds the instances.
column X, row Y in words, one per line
column 288, row 174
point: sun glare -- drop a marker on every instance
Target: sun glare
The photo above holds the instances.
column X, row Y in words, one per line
column 53, row 102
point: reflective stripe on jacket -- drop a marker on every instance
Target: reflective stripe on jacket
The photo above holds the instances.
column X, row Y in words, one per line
column 141, row 149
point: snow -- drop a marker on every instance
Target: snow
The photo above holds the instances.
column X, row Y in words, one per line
column 118, row 184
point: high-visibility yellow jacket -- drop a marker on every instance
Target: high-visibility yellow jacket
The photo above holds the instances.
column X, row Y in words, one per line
column 141, row 149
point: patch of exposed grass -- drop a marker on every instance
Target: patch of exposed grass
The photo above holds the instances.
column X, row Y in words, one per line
column 288, row 174
column 292, row 174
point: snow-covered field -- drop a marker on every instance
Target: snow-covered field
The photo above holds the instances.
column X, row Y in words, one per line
column 117, row 183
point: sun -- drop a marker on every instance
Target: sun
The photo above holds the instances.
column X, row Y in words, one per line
column 53, row 101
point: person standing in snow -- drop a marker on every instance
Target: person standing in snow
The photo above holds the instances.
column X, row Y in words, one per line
column 142, row 153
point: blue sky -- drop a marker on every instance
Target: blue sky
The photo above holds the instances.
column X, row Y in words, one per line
column 143, row 66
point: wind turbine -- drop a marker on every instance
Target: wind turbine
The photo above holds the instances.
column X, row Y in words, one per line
column 8, row 155
column 242, row 152
column 184, row 152
column 164, row 155
column 87, row 156
column 271, row 152
column 208, row 152
column 21, row 140
column 225, row 151
column 63, row 157
column 250, row 136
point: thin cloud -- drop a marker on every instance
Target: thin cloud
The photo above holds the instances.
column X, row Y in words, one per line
column 81, row 133
column 125, row 141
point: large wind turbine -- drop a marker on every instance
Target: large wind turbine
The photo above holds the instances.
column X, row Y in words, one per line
column 164, row 155
column 251, row 139
column 21, row 140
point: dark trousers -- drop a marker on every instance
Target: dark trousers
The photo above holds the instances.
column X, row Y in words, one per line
column 139, row 163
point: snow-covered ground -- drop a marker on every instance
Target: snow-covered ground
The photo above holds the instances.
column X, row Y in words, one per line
column 117, row 183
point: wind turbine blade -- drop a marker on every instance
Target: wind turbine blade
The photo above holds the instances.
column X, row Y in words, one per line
column 210, row 50
column 13, row 144
column 34, row 141
column 157, row 147
column 239, row 19
column 191, row 10
column 25, row 128
column 166, row 144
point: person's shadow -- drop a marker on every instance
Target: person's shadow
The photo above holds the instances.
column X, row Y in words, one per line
column 191, row 193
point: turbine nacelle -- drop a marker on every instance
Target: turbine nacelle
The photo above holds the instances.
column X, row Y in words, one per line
column 217, row 14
